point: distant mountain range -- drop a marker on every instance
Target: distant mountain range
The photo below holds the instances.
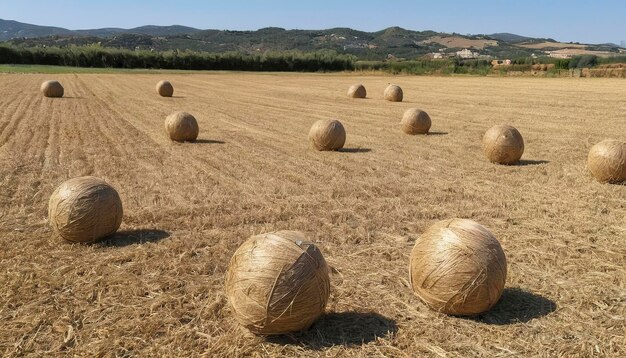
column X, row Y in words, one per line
column 393, row 42
column 10, row 29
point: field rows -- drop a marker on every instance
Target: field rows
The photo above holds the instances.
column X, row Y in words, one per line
column 156, row 288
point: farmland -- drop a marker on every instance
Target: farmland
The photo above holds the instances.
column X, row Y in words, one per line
column 156, row 287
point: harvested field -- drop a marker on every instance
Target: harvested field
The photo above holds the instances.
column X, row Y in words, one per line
column 542, row 45
column 156, row 288
column 461, row 42
column 579, row 52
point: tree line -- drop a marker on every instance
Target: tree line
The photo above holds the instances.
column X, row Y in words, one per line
column 97, row 56
column 100, row 57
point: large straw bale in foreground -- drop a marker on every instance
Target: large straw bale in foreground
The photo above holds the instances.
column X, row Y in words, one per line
column 277, row 283
column 458, row 267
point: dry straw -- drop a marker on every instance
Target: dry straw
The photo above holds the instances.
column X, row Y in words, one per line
column 415, row 121
column 165, row 89
column 277, row 283
column 503, row 144
column 52, row 89
column 85, row 209
column 607, row 161
column 357, row 91
column 393, row 93
column 458, row 267
column 327, row 134
column 181, row 127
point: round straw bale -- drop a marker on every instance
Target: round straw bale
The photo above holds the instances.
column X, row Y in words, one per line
column 181, row 127
column 415, row 121
column 52, row 89
column 357, row 91
column 277, row 283
column 165, row 89
column 85, row 209
column 327, row 134
column 393, row 93
column 503, row 144
column 607, row 161
column 458, row 267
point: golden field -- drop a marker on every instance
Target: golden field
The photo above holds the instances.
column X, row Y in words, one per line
column 156, row 287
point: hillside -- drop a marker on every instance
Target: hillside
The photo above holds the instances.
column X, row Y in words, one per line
column 10, row 29
column 393, row 42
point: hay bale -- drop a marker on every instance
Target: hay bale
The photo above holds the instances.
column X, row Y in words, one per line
column 458, row 267
column 165, row 89
column 357, row 91
column 181, row 127
column 52, row 89
column 327, row 134
column 607, row 161
column 85, row 209
column 415, row 121
column 503, row 144
column 277, row 283
column 393, row 93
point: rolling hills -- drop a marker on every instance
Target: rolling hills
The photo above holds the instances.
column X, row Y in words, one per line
column 393, row 42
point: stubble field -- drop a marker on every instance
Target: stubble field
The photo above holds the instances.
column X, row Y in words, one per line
column 156, row 288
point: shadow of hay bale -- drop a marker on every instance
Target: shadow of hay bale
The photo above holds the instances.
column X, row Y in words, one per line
column 354, row 150
column 131, row 237
column 341, row 328
column 208, row 141
column 435, row 133
column 524, row 162
column 517, row 306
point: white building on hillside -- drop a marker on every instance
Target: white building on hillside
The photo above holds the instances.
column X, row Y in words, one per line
column 465, row 53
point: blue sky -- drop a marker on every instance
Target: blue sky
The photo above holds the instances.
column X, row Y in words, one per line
column 572, row 20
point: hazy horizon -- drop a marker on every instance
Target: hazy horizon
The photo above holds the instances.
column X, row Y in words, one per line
column 567, row 21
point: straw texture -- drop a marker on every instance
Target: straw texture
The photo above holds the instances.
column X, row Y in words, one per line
column 85, row 209
column 277, row 283
column 607, row 161
column 357, row 91
column 458, row 267
column 327, row 134
column 165, row 89
column 393, row 93
column 52, row 89
column 181, row 127
column 503, row 144
column 415, row 121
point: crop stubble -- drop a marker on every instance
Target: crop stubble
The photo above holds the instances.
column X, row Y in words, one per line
column 157, row 287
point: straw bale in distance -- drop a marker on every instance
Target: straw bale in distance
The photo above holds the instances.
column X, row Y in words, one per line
column 165, row 89
column 415, row 121
column 357, row 91
column 607, row 161
column 503, row 144
column 277, row 283
column 327, row 134
column 181, row 127
column 52, row 89
column 393, row 93
column 85, row 209
column 458, row 267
